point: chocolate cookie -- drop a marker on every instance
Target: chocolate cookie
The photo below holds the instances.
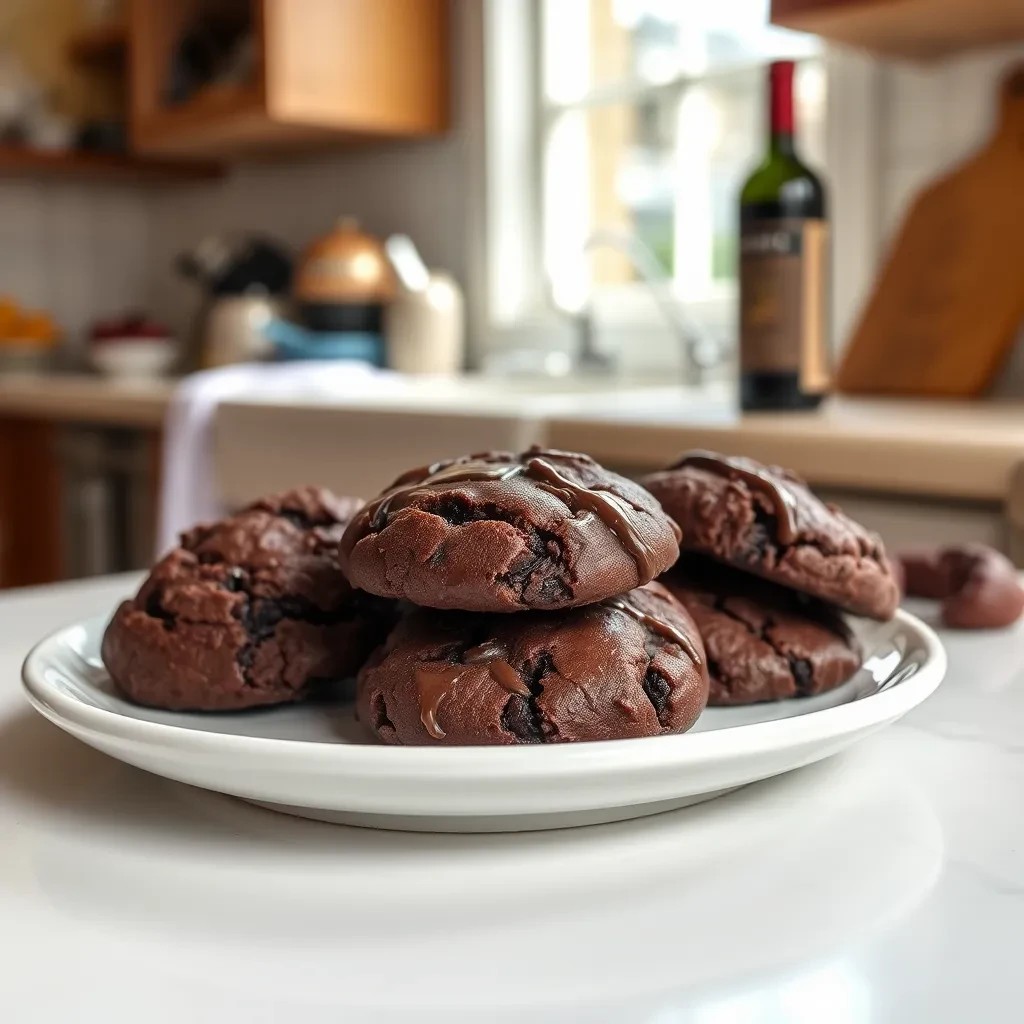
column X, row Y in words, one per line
column 979, row 588
column 763, row 642
column 767, row 521
column 498, row 532
column 250, row 610
column 630, row 666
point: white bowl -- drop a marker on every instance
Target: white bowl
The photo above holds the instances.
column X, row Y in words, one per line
column 133, row 358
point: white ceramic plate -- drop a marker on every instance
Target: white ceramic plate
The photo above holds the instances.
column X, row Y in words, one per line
column 314, row 759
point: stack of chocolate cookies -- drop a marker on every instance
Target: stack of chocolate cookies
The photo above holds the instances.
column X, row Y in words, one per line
column 530, row 615
column 510, row 598
column 766, row 572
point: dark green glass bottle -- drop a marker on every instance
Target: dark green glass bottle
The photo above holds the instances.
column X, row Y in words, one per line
column 783, row 270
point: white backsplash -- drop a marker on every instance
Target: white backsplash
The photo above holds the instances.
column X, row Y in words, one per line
column 932, row 117
column 414, row 188
column 77, row 250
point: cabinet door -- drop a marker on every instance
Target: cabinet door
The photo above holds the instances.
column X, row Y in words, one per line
column 358, row 65
column 30, row 546
column 319, row 71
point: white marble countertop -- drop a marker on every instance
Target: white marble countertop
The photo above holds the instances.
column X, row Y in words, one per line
column 886, row 884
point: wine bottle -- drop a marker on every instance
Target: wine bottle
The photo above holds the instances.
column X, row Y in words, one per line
column 783, row 272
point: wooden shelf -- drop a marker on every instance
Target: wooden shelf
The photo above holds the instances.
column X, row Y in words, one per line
column 231, row 122
column 19, row 162
column 100, row 44
column 911, row 29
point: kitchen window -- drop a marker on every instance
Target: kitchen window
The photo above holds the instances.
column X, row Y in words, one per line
column 646, row 117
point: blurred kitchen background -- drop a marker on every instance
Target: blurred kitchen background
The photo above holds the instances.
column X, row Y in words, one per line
column 501, row 222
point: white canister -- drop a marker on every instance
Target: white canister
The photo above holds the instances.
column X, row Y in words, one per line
column 424, row 329
column 234, row 329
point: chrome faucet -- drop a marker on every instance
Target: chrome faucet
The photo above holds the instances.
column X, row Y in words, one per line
column 700, row 351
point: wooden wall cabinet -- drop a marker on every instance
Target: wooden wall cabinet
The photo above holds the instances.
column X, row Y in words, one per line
column 911, row 29
column 324, row 70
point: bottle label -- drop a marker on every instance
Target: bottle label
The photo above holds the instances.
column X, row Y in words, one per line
column 783, row 276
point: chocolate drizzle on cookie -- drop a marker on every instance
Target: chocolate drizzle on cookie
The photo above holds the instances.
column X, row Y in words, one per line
column 757, row 479
column 433, row 681
column 663, row 629
column 400, row 496
column 608, row 507
column 612, row 509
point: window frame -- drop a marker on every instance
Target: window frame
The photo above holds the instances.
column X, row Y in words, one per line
column 516, row 310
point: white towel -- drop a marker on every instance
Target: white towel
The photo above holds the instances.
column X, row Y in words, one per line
column 188, row 491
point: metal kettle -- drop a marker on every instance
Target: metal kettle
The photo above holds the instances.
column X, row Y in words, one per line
column 344, row 280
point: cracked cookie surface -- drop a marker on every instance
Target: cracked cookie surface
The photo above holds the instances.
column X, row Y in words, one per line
column 767, row 521
column 247, row 611
column 627, row 667
column 763, row 642
column 504, row 532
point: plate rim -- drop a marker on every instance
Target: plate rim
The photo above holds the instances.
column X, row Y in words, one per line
column 597, row 757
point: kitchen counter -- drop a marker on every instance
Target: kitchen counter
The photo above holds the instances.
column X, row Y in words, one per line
column 956, row 449
column 966, row 451
column 84, row 398
column 885, row 884
column 947, row 449
column 943, row 449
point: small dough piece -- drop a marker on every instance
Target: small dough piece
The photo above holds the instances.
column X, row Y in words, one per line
column 979, row 588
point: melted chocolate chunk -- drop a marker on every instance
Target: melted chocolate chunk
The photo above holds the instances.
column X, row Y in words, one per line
column 494, row 656
column 433, row 683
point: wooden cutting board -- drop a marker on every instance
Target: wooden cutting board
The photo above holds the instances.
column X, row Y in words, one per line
column 949, row 301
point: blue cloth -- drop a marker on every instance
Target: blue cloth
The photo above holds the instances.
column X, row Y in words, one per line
column 292, row 342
